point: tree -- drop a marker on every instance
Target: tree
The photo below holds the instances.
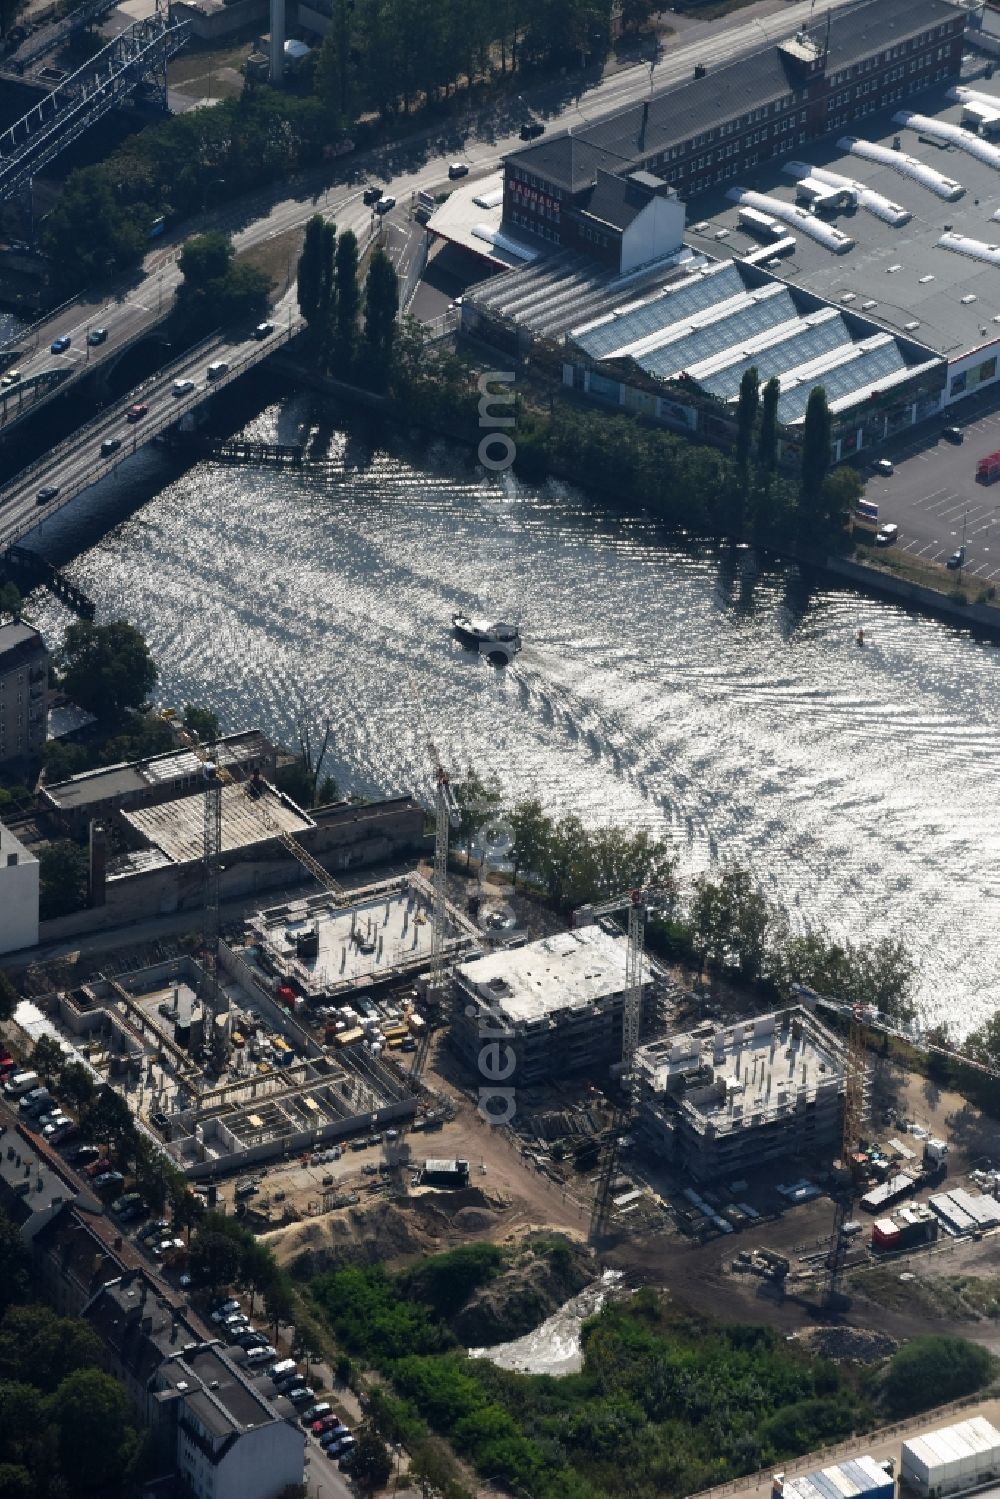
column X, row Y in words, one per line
column 348, row 295
column 279, row 1302
column 15, row 1265
column 297, row 781
column 216, row 289
column 201, row 722
column 372, row 1463
column 746, row 413
column 767, row 437
column 77, row 1085
column 930, row 1370
column 215, row 1259
column 532, row 832
column 381, row 306
column 96, row 1438
column 41, row 1348
column 9, row 12
column 816, row 437
column 478, row 804
column 9, row 998
column 48, row 1058
column 63, row 874
column 107, row 1117
column 636, row 13
column 10, row 594
column 310, row 273
column 840, row 492
column 106, row 669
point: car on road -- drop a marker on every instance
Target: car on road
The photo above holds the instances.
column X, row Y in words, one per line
column 953, row 434
column 61, row 344
column 883, row 466
column 458, row 169
column 385, row 205
column 110, row 445
column 886, row 535
column 11, row 377
column 346, row 1462
column 371, row 195
column 957, row 559
column 97, row 336
column 262, row 331
column 217, row 370
column 182, row 387
column 137, row 412
column 46, row 493
column 531, row 130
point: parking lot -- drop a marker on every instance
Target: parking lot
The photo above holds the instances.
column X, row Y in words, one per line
column 934, row 497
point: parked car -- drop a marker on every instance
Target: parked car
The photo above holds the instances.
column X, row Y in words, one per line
column 137, row 412
column 957, row 559
column 884, row 466
column 385, row 205
column 182, row 387
column 346, row 1462
column 336, row 1432
column 61, row 344
column 110, row 445
column 106, row 1181
column 53, row 1127
column 458, row 169
column 371, row 195
column 130, row 1200
column 325, row 1424
column 262, row 1355
column 97, row 336
column 886, row 535
column 953, row 434
column 167, row 1246
column 531, row 130
column 155, row 1230
column 338, row 1448
column 321, row 1408
column 84, row 1154
column 68, row 1131
column 299, row 1395
column 46, row 493
column 223, row 1309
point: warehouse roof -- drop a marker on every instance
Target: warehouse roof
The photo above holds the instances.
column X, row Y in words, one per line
column 621, row 140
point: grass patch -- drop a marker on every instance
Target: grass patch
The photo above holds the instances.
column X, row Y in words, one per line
column 277, row 257
column 912, row 569
column 198, row 70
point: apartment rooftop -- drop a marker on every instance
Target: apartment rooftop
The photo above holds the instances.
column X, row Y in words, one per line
column 569, row 971
column 19, row 643
column 744, row 1073
column 176, row 827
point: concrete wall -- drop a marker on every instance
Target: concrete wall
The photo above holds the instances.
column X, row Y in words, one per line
column 18, row 895
column 210, row 19
column 655, row 232
column 345, row 837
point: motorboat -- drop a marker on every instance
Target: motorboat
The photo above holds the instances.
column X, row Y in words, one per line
column 498, row 642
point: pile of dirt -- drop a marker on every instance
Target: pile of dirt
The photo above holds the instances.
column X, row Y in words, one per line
column 545, row 1276
column 855, row 1343
column 388, row 1231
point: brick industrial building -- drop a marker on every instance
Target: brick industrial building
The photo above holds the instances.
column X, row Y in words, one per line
column 599, row 190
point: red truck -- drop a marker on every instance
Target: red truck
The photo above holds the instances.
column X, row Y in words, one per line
column 988, row 469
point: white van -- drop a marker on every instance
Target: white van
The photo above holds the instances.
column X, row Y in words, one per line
column 21, row 1083
column 217, row 370
column 283, row 1367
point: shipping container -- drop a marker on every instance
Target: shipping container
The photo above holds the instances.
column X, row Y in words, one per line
column 890, row 1191
column 855, row 1478
column 951, row 1460
column 348, row 1038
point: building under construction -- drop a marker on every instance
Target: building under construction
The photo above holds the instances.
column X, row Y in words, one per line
column 557, row 1003
column 721, row 1101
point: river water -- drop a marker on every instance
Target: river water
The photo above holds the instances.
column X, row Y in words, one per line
column 664, row 683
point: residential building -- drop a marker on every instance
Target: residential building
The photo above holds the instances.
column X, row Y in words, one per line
column 24, row 692
column 18, row 894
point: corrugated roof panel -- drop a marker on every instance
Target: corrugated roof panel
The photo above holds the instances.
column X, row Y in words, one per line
column 804, row 344
column 726, row 333
column 674, row 306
